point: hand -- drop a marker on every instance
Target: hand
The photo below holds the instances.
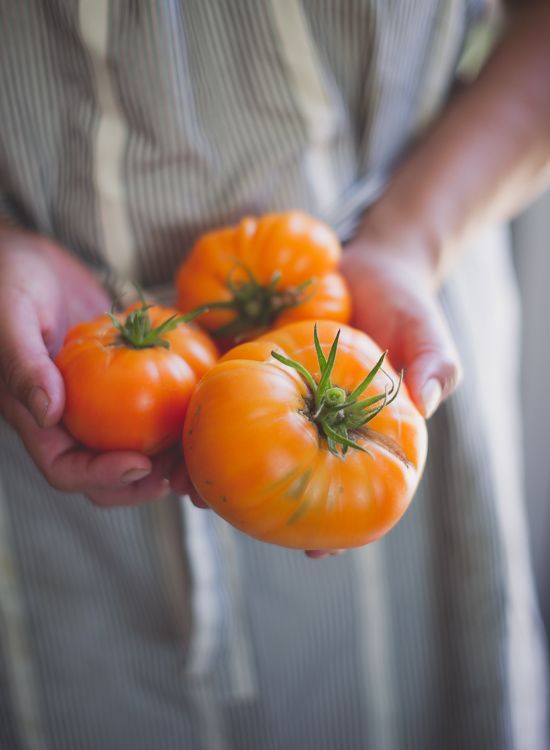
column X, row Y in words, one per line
column 394, row 300
column 44, row 291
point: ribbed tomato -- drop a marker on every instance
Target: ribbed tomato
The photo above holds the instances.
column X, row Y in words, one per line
column 304, row 439
column 128, row 378
column 264, row 272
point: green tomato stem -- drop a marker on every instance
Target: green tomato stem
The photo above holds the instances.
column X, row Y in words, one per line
column 136, row 331
column 335, row 412
column 256, row 306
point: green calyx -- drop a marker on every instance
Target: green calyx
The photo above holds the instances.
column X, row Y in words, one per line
column 256, row 306
column 137, row 332
column 340, row 416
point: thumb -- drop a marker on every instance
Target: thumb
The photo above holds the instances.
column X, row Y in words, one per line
column 26, row 368
column 431, row 361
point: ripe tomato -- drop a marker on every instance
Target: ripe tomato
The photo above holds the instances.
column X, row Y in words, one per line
column 129, row 378
column 262, row 273
column 304, row 440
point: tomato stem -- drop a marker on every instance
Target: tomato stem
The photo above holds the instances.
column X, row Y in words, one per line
column 136, row 331
column 256, row 306
column 307, row 376
column 336, row 413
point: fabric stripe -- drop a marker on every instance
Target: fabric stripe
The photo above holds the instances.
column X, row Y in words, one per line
column 17, row 649
column 83, row 583
column 74, row 205
column 129, row 129
column 376, row 650
column 205, row 601
column 239, row 678
column 19, row 117
column 111, row 140
column 443, row 58
column 303, row 66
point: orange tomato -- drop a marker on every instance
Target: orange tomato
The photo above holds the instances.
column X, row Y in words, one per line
column 128, row 382
column 264, row 272
column 296, row 457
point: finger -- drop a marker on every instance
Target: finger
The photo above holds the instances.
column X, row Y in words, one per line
column 68, row 466
column 153, row 487
column 79, row 470
column 182, row 485
column 25, row 365
column 197, row 500
column 168, row 462
column 431, row 361
column 173, row 468
column 179, row 479
column 319, row 554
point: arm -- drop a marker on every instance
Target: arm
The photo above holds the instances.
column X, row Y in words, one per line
column 489, row 153
column 483, row 159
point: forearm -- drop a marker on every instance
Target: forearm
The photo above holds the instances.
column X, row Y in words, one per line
column 14, row 236
column 485, row 157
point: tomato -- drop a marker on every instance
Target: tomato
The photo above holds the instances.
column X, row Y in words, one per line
column 264, row 272
column 128, row 379
column 294, row 456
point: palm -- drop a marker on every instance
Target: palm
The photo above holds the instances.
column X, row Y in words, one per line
column 43, row 292
column 395, row 303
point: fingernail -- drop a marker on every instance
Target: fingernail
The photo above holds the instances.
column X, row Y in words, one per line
column 134, row 475
column 431, row 396
column 39, row 404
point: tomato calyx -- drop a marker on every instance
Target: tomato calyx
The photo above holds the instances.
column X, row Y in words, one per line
column 256, row 306
column 137, row 332
column 340, row 416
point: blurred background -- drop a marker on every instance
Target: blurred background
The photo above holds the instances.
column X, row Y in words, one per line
column 531, row 242
column 531, row 252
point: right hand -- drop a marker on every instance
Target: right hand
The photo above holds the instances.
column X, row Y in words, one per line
column 43, row 292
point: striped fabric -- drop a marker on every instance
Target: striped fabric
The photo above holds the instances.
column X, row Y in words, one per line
column 128, row 128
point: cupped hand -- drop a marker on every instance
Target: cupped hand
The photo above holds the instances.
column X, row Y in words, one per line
column 394, row 300
column 44, row 291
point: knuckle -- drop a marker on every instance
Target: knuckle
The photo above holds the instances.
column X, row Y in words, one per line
column 20, row 376
column 98, row 499
column 57, row 477
column 13, row 373
column 55, row 480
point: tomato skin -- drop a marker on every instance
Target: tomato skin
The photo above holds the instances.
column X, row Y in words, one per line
column 293, row 244
column 121, row 398
column 258, row 461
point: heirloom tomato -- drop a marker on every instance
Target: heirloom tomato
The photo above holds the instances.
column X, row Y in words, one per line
column 262, row 273
column 128, row 378
column 305, row 438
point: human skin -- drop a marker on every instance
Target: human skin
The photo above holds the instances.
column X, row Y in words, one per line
column 482, row 160
column 43, row 292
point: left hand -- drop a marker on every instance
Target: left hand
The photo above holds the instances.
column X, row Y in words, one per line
column 394, row 300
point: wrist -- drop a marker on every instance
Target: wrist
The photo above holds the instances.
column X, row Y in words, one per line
column 16, row 238
column 395, row 231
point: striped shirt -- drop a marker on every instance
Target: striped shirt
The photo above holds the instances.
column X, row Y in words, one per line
column 128, row 129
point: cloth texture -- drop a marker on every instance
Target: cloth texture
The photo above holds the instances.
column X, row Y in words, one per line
column 128, row 129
